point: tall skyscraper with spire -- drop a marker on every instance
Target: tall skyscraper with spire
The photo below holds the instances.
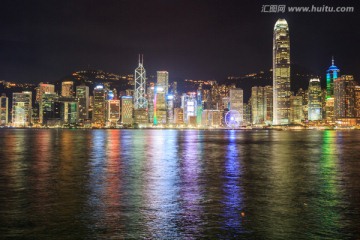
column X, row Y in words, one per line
column 140, row 102
column 140, row 86
column 331, row 75
column 281, row 73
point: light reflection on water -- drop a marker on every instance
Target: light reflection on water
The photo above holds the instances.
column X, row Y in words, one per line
column 169, row 184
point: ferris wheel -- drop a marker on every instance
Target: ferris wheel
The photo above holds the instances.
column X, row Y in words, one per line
column 232, row 119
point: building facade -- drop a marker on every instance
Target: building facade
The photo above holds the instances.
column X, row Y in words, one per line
column 281, row 73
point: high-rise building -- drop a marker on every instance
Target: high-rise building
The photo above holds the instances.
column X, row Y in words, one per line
column 211, row 118
column 67, row 89
column 150, row 98
column 159, row 105
column 178, row 116
column 140, row 101
column 99, row 109
column 315, row 100
column 50, row 110
column 170, row 109
column 126, row 110
column 44, row 88
column 69, row 110
column 296, row 111
column 331, row 75
column 21, row 113
column 188, row 103
column 4, row 110
column 357, row 101
column 261, row 104
column 344, row 96
column 113, row 112
column 305, row 99
column 281, row 73
column 82, row 94
column 237, row 101
column 163, row 80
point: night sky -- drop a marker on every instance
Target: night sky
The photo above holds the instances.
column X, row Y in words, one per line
column 46, row 40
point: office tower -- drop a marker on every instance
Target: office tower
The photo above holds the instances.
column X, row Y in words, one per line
column 69, row 110
column 178, row 116
column 21, row 113
column 211, row 118
column 163, row 80
column 189, row 104
column 357, row 101
column 344, row 95
column 49, row 109
column 67, row 89
column 296, row 110
column 237, row 101
column 170, row 109
column 150, row 100
column 247, row 113
column 113, row 112
column 159, row 105
column 140, row 101
column 332, row 74
column 126, row 110
column 199, row 109
column 281, row 73
column 82, row 94
column 261, row 105
column 323, row 103
column 98, row 116
column 315, row 100
column 4, row 110
column 44, row 88
column 305, row 99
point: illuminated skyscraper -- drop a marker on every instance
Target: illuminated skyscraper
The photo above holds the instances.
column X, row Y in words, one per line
column 140, row 101
column 261, row 104
column 189, row 104
column 159, row 105
column 67, row 89
column 331, row 75
column 237, row 101
column 126, row 110
column 315, row 101
column 163, row 80
column 98, row 117
column 69, row 110
column 44, row 88
column 281, row 73
column 357, row 101
column 82, row 94
column 344, row 96
column 170, row 109
column 4, row 110
column 21, row 113
column 296, row 111
column 49, row 108
column 150, row 97
column 113, row 112
column 178, row 116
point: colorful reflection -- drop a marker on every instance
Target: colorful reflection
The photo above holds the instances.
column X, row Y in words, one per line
column 191, row 156
column 234, row 210
column 161, row 184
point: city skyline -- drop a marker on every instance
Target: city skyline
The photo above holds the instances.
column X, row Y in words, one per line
column 204, row 41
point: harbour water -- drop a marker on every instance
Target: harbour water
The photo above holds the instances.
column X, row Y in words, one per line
column 179, row 184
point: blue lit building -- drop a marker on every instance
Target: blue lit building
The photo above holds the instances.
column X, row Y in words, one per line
column 331, row 74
